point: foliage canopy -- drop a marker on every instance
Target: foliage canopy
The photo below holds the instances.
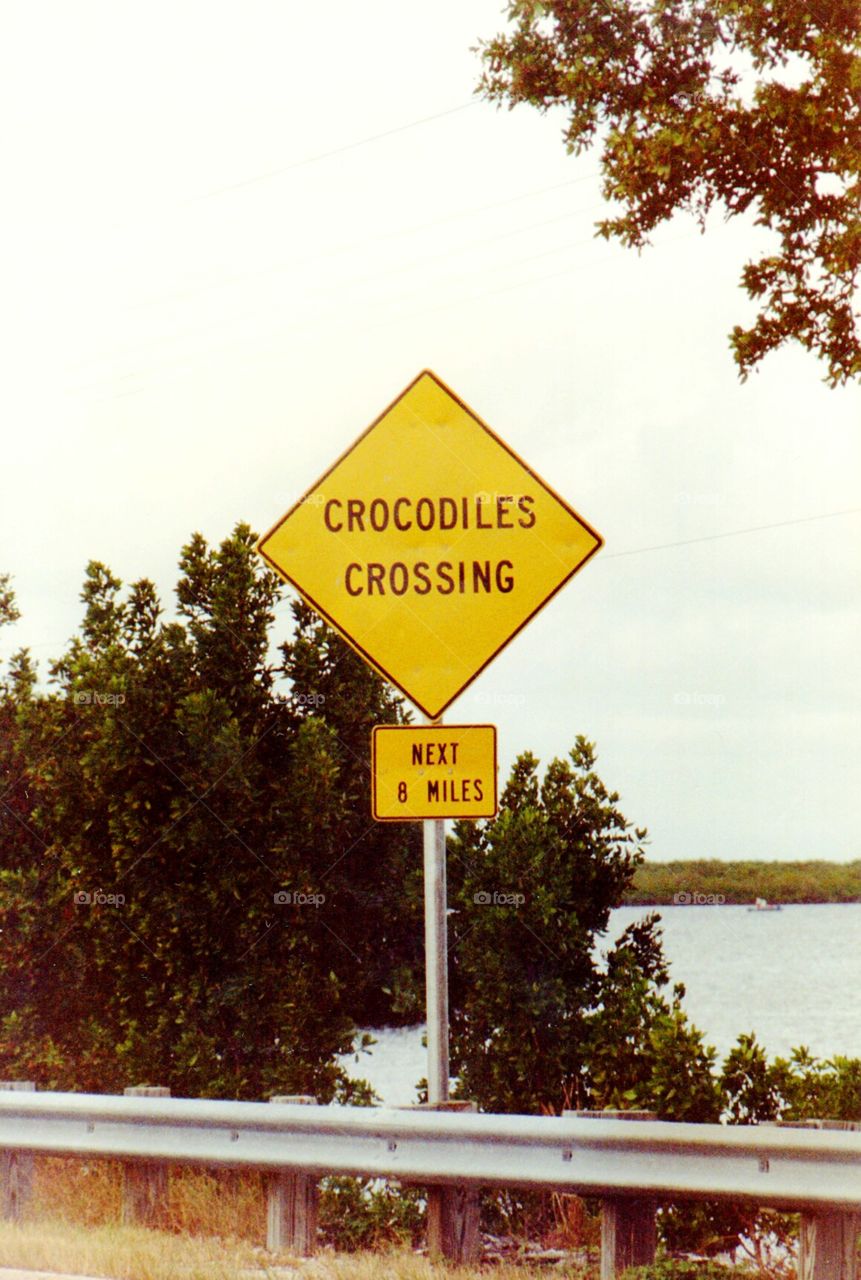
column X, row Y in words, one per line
column 662, row 883
column 178, row 782
column 739, row 104
column 190, row 892
column 538, row 1022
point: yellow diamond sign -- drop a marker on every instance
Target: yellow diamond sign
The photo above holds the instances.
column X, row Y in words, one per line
column 429, row 544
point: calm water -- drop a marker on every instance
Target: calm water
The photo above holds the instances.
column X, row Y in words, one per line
column 792, row 976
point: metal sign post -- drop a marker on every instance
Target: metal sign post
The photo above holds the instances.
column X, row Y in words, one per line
column 436, row 955
column 448, row 1234
column 430, row 526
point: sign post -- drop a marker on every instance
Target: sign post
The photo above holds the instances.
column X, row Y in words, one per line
column 429, row 545
column 441, row 1210
column 436, row 956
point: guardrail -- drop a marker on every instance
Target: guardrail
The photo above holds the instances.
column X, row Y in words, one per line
column 630, row 1163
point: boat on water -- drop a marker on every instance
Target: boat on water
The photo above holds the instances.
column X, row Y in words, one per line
column 762, row 904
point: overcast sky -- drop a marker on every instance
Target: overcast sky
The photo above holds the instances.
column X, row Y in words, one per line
column 233, row 233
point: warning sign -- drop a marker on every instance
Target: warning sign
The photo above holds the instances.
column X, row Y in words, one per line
column 429, row 544
column 433, row 771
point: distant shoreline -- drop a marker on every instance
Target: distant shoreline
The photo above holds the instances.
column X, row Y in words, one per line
column 658, row 884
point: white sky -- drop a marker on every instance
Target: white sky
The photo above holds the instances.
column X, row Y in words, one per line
column 208, row 291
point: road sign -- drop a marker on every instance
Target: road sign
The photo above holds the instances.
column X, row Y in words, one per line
column 429, row 544
column 433, row 771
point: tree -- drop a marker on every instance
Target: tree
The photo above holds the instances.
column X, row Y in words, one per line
column 537, row 1022
column 375, row 882
column 19, row 842
column 8, row 608
column 187, row 905
column 706, row 103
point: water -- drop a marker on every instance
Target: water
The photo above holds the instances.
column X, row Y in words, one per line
column 792, row 976
column 397, row 1063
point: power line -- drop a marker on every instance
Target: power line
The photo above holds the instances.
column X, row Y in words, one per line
column 360, row 281
column 385, row 236
column 298, row 164
column 730, row 533
column 688, row 542
column 335, row 151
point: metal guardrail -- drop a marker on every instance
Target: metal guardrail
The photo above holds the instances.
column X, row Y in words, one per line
column 788, row 1168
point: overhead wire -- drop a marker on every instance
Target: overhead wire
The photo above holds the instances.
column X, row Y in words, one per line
column 334, row 151
column 387, row 236
column 267, row 175
column 302, row 323
column 682, row 542
column 395, row 270
column 730, row 533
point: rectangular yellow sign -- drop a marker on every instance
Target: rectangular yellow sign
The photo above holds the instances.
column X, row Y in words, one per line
column 433, row 771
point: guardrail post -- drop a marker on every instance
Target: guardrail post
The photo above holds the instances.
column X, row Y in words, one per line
column 291, row 1201
column 145, row 1182
column 452, row 1212
column 16, row 1167
column 827, row 1246
column 628, row 1230
column 827, row 1240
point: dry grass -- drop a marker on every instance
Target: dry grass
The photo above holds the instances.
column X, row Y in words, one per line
column 398, row 1265
column 126, row 1253
column 201, row 1203
column 214, row 1230
column 214, row 1226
